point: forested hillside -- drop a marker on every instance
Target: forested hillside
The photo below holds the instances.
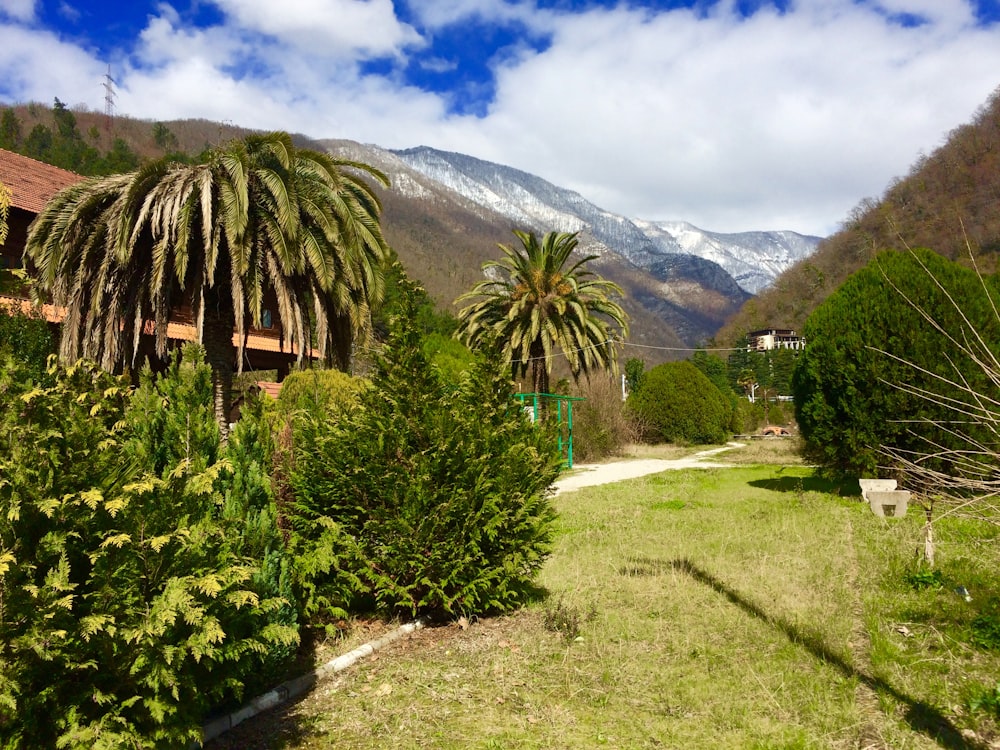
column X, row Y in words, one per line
column 949, row 203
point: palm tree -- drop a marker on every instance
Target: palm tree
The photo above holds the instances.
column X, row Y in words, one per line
column 259, row 215
column 534, row 303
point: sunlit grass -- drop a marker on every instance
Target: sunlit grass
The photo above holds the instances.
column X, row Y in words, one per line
column 699, row 608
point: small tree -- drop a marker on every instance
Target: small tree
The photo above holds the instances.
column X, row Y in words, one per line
column 426, row 498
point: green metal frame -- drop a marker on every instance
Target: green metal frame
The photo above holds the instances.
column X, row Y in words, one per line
column 564, row 416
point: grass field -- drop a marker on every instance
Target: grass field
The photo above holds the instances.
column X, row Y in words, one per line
column 752, row 607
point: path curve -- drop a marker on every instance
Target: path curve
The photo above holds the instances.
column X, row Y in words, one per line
column 588, row 475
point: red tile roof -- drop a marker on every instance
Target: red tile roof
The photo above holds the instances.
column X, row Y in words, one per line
column 270, row 388
column 32, row 182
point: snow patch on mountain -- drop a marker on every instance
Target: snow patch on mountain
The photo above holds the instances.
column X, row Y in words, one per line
column 753, row 259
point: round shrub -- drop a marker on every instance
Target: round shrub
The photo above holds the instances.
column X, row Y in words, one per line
column 317, row 392
column 872, row 351
column 678, row 403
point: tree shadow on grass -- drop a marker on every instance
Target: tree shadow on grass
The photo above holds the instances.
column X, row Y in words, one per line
column 812, row 483
column 922, row 717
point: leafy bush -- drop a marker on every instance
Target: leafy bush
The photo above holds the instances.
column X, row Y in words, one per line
column 27, row 339
column 428, row 499
column 678, row 403
column 127, row 606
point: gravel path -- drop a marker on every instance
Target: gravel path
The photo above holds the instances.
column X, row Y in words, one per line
column 588, row 475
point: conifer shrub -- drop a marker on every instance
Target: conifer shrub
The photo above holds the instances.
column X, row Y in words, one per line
column 678, row 403
column 429, row 498
column 27, row 339
column 130, row 602
column 316, row 391
column 873, row 336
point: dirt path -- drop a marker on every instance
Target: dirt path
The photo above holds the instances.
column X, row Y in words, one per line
column 588, row 475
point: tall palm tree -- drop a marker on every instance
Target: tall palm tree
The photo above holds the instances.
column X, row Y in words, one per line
column 259, row 215
column 534, row 301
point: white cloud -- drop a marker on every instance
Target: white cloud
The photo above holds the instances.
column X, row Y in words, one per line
column 19, row 10
column 777, row 121
column 37, row 66
column 327, row 28
column 782, row 120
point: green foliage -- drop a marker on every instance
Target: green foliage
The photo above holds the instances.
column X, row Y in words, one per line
column 924, row 578
column 715, row 369
column 169, row 423
column 10, row 130
column 635, row 371
column 25, row 339
column 987, row 700
column 427, row 499
column 65, row 147
column 317, row 392
column 678, row 403
column 402, row 294
column 747, row 417
column 848, row 402
column 540, row 300
column 450, row 356
column 985, row 628
column 128, row 604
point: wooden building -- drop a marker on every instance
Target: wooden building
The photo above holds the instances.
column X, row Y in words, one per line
column 32, row 183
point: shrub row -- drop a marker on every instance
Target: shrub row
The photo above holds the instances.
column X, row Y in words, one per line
column 150, row 574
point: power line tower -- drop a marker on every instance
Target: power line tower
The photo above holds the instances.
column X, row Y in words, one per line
column 109, row 99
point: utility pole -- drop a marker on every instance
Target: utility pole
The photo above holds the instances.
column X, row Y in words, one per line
column 109, row 99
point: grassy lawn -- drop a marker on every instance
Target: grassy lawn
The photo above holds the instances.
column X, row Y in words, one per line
column 752, row 607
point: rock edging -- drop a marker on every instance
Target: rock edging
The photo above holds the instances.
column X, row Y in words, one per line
column 299, row 685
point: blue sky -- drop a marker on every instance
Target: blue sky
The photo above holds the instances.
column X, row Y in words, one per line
column 731, row 114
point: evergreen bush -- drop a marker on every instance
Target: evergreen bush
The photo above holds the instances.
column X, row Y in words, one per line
column 848, row 401
column 428, row 499
column 128, row 604
column 316, row 391
column 678, row 403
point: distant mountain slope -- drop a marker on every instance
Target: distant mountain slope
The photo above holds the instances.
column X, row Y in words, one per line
column 446, row 213
column 949, row 203
column 754, row 259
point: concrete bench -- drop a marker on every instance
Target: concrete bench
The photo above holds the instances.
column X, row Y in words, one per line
column 888, row 503
column 876, row 485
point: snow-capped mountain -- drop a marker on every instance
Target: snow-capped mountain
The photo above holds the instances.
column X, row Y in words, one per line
column 752, row 259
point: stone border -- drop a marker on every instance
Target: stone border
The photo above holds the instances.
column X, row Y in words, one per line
column 299, row 685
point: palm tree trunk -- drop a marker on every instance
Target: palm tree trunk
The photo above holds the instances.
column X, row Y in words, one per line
column 539, row 371
column 217, row 338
